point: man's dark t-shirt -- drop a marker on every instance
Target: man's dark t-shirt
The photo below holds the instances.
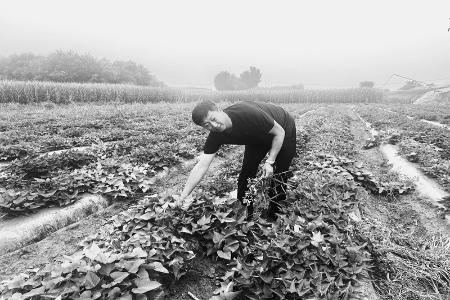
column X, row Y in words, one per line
column 251, row 123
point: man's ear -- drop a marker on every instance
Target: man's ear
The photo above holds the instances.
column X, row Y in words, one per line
column 205, row 117
column 212, row 113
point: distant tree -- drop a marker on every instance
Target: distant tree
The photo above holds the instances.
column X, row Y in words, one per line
column 130, row 72
column 72, row 67
column 366, row 84
column 237, row 83
column 225, row 81
column 68, row 66
column 222, row 81
column 299, row 86
column 21, row 67
column 251, row 77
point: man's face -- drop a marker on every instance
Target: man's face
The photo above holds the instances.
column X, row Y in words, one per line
column 214, row 122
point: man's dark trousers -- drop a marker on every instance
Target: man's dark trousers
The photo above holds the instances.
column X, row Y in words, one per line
column 253, row 156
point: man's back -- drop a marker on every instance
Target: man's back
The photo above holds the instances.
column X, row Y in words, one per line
column 251, row 123
column 277, row 113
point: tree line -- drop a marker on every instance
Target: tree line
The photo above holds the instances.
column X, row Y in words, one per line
column 68, row 66
column 225, row 81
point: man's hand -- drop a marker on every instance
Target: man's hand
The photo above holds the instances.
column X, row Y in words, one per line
column 267, row 170
column 182, row 201
column 178, row 200
column 171, row 201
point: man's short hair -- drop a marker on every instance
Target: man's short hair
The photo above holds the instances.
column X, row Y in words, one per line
column 201, row 110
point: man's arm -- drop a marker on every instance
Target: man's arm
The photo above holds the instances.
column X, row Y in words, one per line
column 197, row 173
column 278, row 137
column 277, row 142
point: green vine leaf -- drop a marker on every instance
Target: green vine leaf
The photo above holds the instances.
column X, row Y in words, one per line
column 91, row 280
column 144, row 285
column 317, row 238
column 156, row 266
column 224, row 255
column 92, row 251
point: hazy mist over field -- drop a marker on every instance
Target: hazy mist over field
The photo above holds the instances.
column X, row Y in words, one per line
column 186, row 43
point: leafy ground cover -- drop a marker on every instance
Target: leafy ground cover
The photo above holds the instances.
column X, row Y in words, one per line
column 27, row 130
column 325, row 243
column 303, row 254
column 311, row 251
column 392, row 224
column 431, row 112
column 408, row 237
column 143, row 140
column 124, row 169
column 39, row 130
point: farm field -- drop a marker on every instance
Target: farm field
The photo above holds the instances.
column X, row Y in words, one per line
column 351, row 226
column 420, row 142
column 436, row 113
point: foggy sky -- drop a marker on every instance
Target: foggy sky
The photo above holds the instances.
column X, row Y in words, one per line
column 185, row 43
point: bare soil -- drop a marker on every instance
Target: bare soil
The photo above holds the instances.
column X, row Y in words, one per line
column 201, row 280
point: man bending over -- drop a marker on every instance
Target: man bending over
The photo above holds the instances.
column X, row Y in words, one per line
column 264, row 129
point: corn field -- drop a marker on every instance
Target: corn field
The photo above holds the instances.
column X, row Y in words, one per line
column 26, row 92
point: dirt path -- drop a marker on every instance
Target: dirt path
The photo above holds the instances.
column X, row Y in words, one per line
column 66, row 240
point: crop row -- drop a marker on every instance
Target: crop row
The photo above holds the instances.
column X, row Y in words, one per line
column 57, row 180
column 147, row 139
column 431, row 112
column 330, row 138
column 37, row 130
column 312, row 250
column 419, row 142
column 35, row 92
column 309, row 252
column 29, row 130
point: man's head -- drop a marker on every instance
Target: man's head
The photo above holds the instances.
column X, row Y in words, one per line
column 210, row 117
